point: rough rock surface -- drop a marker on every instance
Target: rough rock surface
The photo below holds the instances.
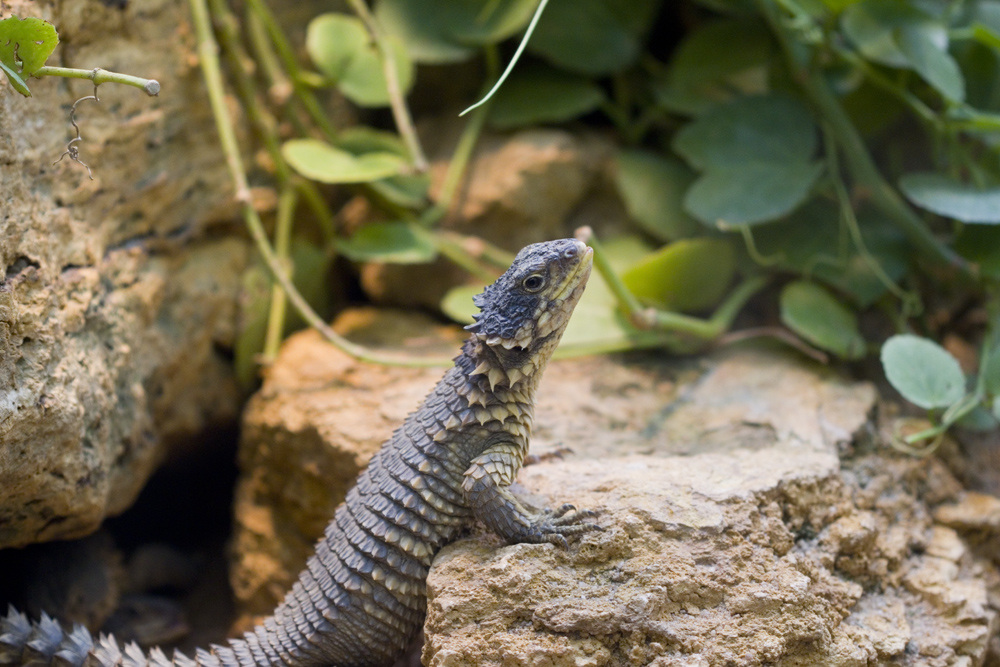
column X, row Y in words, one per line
column 113, row 305
column 734, row 534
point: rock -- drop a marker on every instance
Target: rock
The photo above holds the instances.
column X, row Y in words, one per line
column 519, row 189
column 743, row 558
column 115, row 316
column 733, row 532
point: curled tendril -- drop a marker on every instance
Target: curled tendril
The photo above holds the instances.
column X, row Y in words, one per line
column 74, row 151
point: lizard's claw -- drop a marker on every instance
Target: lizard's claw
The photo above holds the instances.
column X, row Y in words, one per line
column 554, row 525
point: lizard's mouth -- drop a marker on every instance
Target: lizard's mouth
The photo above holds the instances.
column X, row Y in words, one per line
column 580, row 273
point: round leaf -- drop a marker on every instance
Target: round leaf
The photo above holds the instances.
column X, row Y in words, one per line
column 25, row 45
column 457, row 303
column 652, row 187
column 16, row 81
column 444, row 31
column 873, row 26
column 899, row 34
column 750, row 193
column 389, row 242
column 813, row 313
column 542, row 94
column 327, row 164
column 593, row 37
column 408, row 190
column 933, row 62
column 922, row 371
column 342, row 50
column 714, row 63
column 750, row 130
column 687, row 275
column 950, row 198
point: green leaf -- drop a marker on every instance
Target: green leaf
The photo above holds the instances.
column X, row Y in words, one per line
column 342, row 50
column 446, row 31
column 593, row 37
column 322, row 162
column 16, row 81
column 899, row 34
column 408, row 190
column 757, row 155
column 716, row 62
column 541, row 94
column 652, row 187
column 813, row 313
column 950, row 198
column 981, row 244
column 811, row 242
column 390, row 242
column 872, row 25
column 750, row 194
column 932, row 62
column 361, row 139
column 684, row 276
column 922, row 371
column 25, row 45
column 311, row 277
column 748, row 131
column 457, row 303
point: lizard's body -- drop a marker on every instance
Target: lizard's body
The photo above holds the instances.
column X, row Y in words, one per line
column 361, row 597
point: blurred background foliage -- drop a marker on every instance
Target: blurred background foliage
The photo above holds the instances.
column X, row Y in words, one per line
column 834, row 160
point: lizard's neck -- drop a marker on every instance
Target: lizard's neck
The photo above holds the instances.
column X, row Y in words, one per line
column 501, row 382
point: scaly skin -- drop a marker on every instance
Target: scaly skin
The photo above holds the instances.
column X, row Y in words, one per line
column 362, row 596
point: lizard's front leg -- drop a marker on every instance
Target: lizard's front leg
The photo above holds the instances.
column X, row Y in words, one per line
column 486, row 492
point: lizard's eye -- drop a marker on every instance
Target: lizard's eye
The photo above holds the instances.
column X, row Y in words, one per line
column 534, row 282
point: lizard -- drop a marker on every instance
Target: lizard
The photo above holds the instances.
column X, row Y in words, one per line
column 362, row 595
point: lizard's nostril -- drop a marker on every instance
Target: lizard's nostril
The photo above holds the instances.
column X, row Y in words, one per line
column 569, row 253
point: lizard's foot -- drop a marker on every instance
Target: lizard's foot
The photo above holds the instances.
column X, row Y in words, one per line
column 554, row 525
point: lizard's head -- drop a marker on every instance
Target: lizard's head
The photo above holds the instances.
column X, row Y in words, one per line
column 530, row 305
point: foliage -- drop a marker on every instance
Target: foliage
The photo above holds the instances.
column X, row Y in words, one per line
column 25, row 45
column 844, row 151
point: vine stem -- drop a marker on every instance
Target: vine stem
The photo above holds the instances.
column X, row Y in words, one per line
column 859, row 161
column 211, row 70
column 282, row 247
column 287, row 55
column 149, row 86
column 261, row 119
column 400, row 113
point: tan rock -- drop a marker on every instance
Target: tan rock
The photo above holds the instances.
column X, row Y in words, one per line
column 112, row 312
column 733, row 535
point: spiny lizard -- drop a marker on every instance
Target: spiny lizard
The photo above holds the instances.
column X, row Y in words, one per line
column 362, row 596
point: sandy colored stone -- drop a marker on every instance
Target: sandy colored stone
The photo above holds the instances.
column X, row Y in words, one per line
column 694, row 569
column 113, row 311
column 734, row 533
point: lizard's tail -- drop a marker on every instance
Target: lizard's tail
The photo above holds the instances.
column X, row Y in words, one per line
column 358, row 603
column 44, row 643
